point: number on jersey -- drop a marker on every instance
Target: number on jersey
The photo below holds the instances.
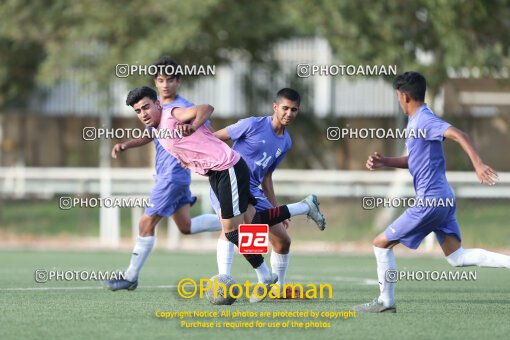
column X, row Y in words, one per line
column 264, row 161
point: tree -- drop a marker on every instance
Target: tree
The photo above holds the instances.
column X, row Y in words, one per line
column 431, row 36
column 56, row 37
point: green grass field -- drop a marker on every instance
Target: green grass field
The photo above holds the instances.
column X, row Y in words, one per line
column 77, row 309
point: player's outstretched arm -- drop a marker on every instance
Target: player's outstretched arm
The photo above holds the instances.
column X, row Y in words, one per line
column 376, row 161
column 199, row 114
column 222, row 134
column 133, row 143
column 484, row 172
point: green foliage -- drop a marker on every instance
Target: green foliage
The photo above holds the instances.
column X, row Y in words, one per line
column 56, row 37
column 451, row 34
column 42, row 41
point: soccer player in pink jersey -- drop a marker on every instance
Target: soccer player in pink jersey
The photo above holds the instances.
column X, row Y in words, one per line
column 199, row 150
column 171, row 195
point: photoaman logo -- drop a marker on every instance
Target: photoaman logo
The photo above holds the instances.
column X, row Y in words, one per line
column 188, row 288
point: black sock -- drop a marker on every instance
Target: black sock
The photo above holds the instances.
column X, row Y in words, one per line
column 255, row 259
column 272, row 216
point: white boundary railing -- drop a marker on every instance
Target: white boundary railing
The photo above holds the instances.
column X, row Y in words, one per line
column 23, row 182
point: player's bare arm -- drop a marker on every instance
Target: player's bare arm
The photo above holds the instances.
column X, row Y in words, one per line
column 484, row 172
column 198, row 114
column 133, row 143
column 222, row 134
column 376, row 161
column 268, row 189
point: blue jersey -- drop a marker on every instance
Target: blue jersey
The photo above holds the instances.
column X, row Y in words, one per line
column 258, row 144
column 167, row 165
column 426, row 157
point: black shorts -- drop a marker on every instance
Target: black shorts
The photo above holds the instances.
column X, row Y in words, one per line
column 232, row 187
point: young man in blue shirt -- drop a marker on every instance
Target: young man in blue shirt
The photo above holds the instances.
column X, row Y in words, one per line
column 426, row 163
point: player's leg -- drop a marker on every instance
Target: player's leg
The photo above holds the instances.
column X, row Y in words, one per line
column 179, row 206
column 385, row 258
column 448, row 235
column 308, row 206
column 224, row 254
column 250, row 212
column 410, row 229
column 143, row 247
column 280, row 257
column 279, row 239
column 266, row 214
column 230, row 227
column 161, row 205
column 460, row 257
column 224, row 248
column 199, row 224
column 182, row 219
column 205, row 223
column 266, row 280
column 147, row 225
column 231, row 187
column 278, row 235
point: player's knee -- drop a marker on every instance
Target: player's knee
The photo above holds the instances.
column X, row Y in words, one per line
column 184, row 228
column 377, row 242
column 285, row 248
column 381, row 241
column 281, row 245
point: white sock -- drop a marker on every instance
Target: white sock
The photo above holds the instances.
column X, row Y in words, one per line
column 279, row 264
column 205, row 222
column 140, row 253
column 224, row 256
column 478, row 257
column 299, row 208
column 263, row 273
column 385, row 261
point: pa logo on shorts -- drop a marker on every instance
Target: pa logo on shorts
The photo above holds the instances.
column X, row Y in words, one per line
column 253, row 239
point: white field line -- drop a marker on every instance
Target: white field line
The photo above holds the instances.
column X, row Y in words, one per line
column 293, row 279
column 361, row 281
column 358, row 280
column 35, row 289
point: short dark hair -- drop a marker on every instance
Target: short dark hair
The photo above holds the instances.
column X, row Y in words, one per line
column 289, row 94
column 135, row 95
column 412, row 83
column 167, row 61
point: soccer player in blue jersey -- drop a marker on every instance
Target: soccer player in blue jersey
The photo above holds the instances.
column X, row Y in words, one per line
column 426, row 163
column 263, row 143
column 170, row 195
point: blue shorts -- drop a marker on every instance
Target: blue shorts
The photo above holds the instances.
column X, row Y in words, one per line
column 167, row 197
column 262, row 201
column 415, row 223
